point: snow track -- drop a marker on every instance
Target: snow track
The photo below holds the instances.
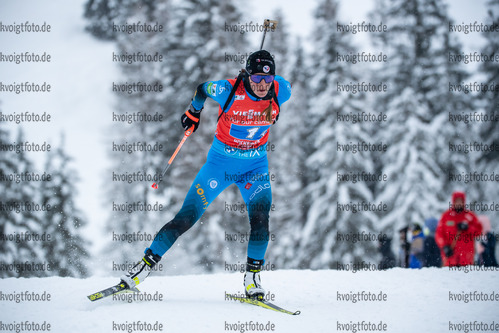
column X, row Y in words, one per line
column 426, row 300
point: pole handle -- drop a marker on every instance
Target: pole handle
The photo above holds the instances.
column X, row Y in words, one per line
column 267, row 25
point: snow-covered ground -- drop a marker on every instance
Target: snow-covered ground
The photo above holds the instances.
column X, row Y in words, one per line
column 416, row 300
column 412, row 301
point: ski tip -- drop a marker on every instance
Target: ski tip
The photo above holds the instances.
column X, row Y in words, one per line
column 95, row 296
column 296, row 313
column 155, row 186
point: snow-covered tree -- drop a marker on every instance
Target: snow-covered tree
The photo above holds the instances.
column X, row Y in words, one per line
column 419, row 159
column 66, row 253
column 19, row 219
column 318, row 243
column 104, row 15
column 6, row 168
column 287, row 163
column 489, row 162
column 9, row 220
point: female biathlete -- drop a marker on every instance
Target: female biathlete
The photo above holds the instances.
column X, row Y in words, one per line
column 238, row 155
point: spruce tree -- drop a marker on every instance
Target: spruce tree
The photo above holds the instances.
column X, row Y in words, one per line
column 490, row 106
column 19, row 216
column 28, row 220
column 287, row 162
column 319, row 245
column 8, row 219
column 419, row 160
column 67, row 252
column 103, row 15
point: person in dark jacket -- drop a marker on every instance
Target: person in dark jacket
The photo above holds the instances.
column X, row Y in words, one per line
column 431, row 251
column 405, row 245
column 387, row 256
column 487, row 244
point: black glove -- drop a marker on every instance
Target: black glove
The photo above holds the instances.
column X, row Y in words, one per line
column 463, row 226
column 191, row 117
column 448, row 251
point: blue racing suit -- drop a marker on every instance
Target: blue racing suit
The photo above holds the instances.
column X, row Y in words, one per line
column 227, row 164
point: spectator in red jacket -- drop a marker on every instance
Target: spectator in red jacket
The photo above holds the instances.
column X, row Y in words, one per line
column 456, row 233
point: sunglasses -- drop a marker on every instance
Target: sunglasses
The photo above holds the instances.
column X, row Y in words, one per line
column 258, row 78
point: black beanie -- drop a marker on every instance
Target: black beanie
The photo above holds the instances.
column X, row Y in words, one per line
column 260, row 62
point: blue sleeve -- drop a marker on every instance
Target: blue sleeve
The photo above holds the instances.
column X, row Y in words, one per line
column 284, row 90
column 219, row 91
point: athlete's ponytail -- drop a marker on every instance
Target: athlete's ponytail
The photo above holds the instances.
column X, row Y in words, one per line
column 268, row 112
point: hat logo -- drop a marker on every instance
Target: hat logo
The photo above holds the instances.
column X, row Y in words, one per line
column 266, row 69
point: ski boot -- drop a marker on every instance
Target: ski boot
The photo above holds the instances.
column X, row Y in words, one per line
column 252, row 283
column 141, row 270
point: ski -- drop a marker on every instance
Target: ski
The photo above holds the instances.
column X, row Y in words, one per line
column 261, row 303
column 117, row 289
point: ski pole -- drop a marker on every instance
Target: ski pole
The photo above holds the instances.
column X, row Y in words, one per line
column 170, row 161
column 266, row 25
